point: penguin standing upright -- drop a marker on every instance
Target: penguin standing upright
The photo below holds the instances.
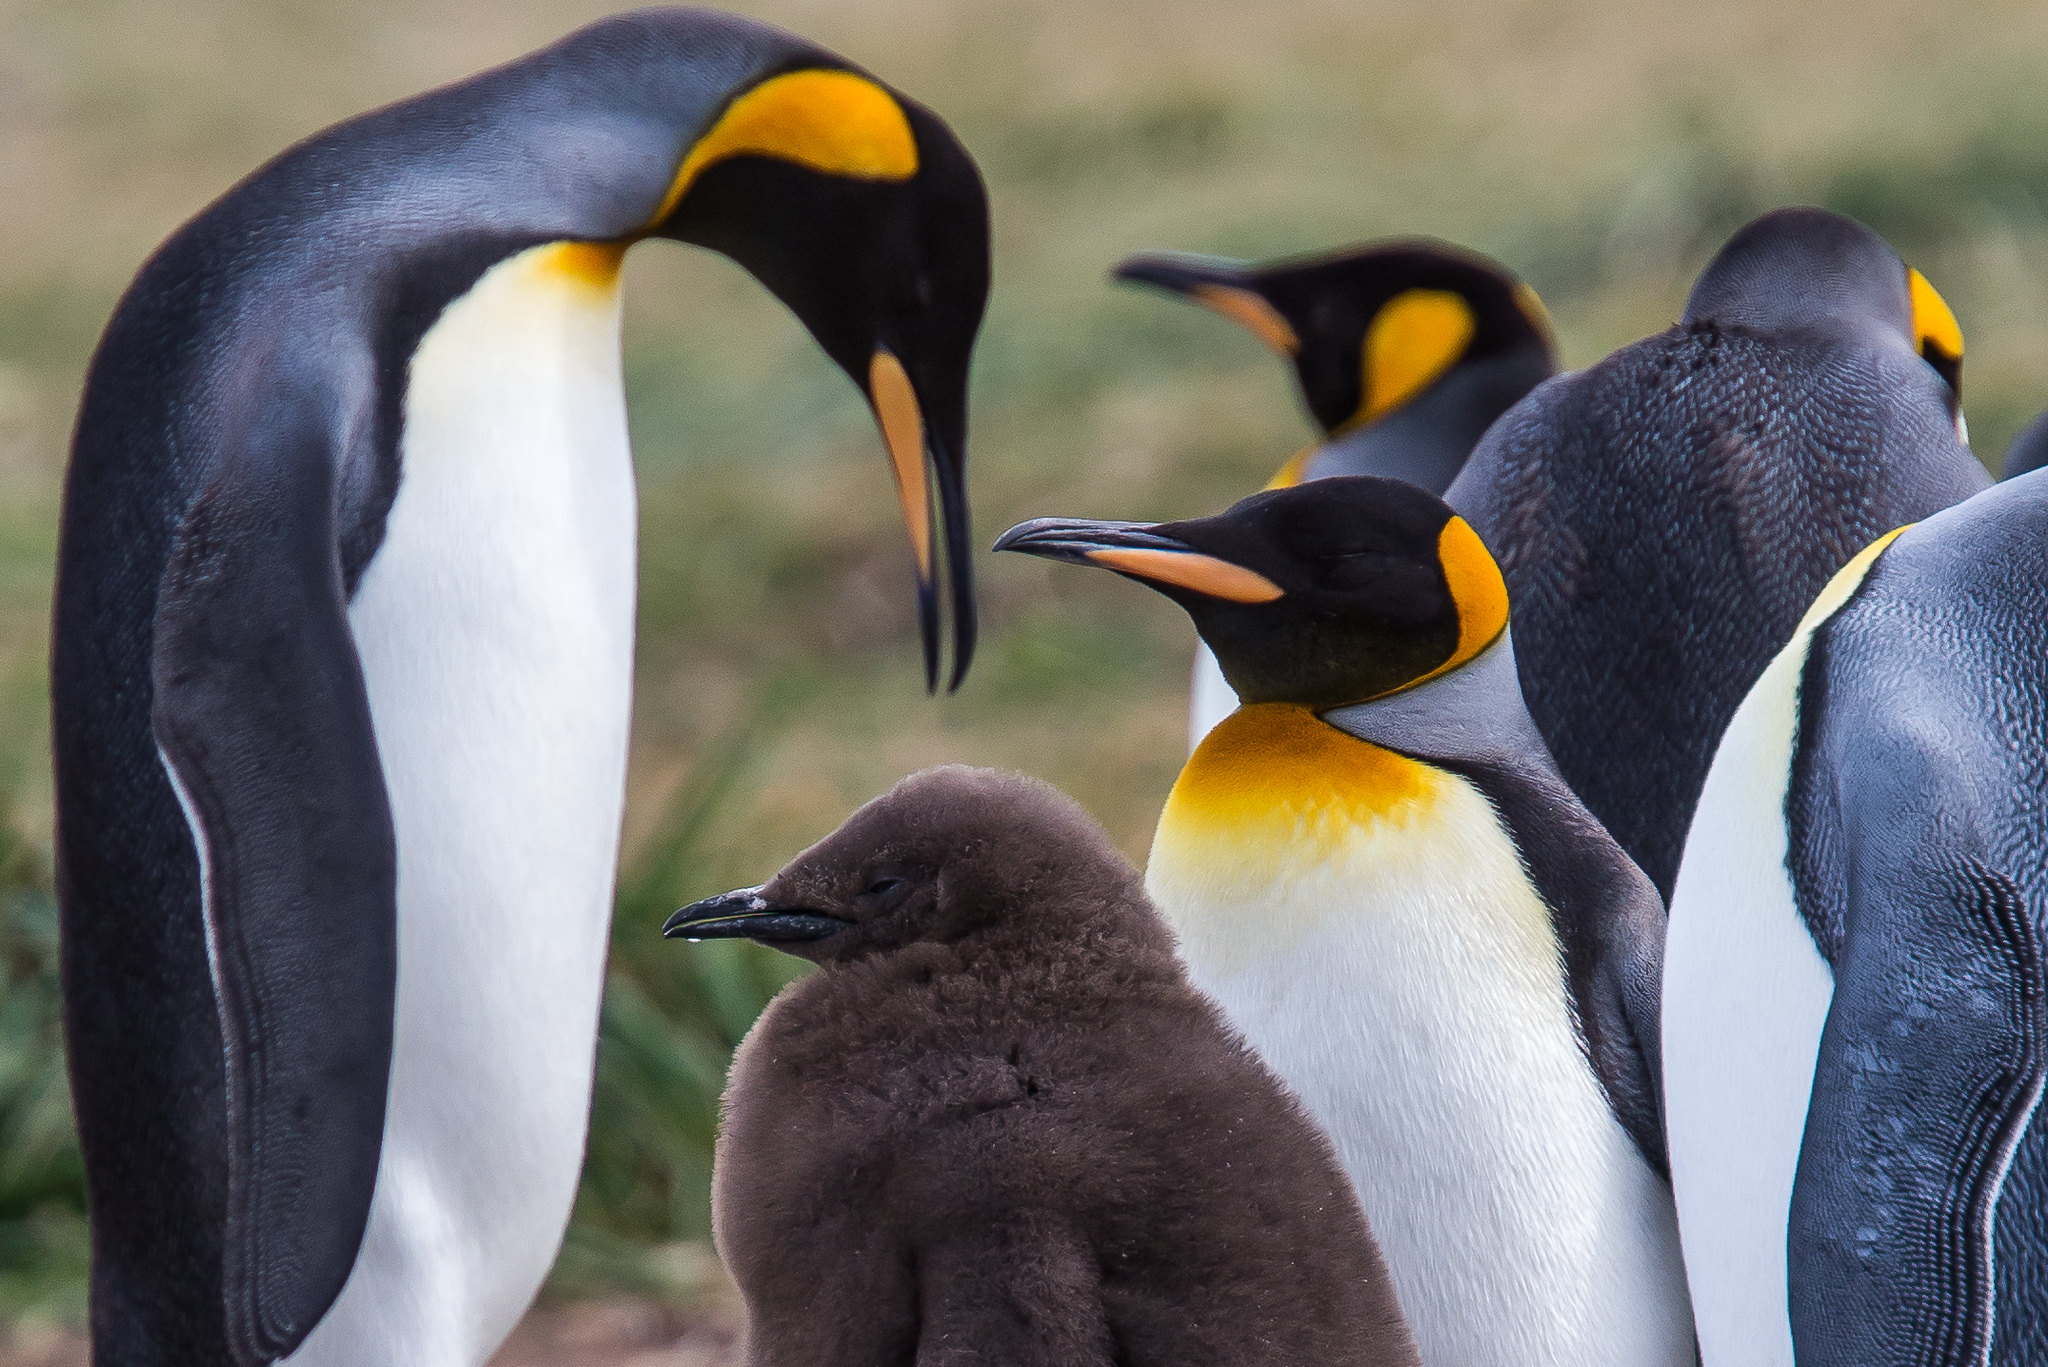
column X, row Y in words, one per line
column 1375, row 868
column 998, row 1125
column 1855, row 1007
column 1664, row 517
column 1406, row 352
column 343, row 656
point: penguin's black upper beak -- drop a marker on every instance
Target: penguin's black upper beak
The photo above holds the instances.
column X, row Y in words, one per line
column 1139, row 550
column 1079, row 540
column 746, row 915
column 1216, row 283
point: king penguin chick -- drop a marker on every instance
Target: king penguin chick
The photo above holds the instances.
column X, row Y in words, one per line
column 1376, row 870
column 1664, row 517
column 1855, row 1035
column 1406, row 351
column 343, row 659
column 997, row 1125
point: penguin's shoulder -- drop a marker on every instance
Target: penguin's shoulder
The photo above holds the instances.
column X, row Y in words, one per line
column 1916, row 825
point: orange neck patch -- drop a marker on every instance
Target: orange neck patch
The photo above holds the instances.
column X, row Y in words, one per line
column 1274, row 777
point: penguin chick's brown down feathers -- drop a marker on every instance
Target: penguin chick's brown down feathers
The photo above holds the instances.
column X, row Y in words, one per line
column 999, row 1125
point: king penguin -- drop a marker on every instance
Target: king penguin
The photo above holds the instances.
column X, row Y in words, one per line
column 1405, row 351
column 998, row 1125
column 343, row 659
column 1664, row 516
column 1855, row 1010
column 1376, row 869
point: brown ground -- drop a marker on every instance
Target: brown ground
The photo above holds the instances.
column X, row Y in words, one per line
column 614, row 1333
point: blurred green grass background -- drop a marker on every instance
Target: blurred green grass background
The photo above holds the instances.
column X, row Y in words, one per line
column 1599, row 147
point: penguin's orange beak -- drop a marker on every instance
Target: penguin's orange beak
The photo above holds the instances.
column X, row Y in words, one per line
column 930, row 471
column 1138, row 550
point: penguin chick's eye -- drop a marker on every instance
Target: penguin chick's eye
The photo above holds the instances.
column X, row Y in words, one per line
column 883, row 886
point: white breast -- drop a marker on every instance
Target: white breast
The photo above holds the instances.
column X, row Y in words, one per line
column 495, row 626
column 1746, row 996
column 1210, row 696
column 1405, row 981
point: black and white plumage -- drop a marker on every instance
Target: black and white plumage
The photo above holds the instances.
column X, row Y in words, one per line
column 1665, row 515
column 1855, row 1008
column 342, row 659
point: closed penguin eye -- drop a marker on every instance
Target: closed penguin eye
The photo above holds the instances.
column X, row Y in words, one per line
column 883, row 886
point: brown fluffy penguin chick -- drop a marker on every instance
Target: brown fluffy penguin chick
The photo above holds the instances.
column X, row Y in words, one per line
column 999, row 1126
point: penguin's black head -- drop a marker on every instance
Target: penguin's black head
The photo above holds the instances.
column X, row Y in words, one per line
column 1322, row 595
column 863, row 213
column 946, row 854
column 1803, row 268
column 1370, row 328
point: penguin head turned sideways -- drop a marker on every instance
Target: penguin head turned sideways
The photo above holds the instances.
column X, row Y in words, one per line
column 1321, row 595
column 947, row 855
column 1806, row 269
column 862, row 212
column 1369, row 328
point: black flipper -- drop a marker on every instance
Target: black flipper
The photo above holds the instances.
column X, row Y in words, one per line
column 1929, row 1070
column 262, row 715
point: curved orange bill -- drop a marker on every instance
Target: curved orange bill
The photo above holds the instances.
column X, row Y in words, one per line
column 1137, row 550
column 927, row 474
column 1217, row 284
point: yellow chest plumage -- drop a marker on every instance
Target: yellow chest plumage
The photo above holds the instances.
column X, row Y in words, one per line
column 1366, row 920
column 1276, row 797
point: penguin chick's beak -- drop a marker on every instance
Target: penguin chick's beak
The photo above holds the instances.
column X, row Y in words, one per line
column 925, row 466
column 746, row 915
column 1215, row 284
column 1139, row 550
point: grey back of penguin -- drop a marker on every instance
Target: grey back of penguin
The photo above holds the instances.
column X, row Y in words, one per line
column 1012, row 1131
column 1664, row 516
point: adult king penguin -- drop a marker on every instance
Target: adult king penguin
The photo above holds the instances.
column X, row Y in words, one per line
column 1664, row 517
column 1855, row 1013
column 343, row 652
column 1375, row 868
column 1405, row 351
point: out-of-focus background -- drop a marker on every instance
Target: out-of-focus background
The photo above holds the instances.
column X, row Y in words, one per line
column 1600, row 147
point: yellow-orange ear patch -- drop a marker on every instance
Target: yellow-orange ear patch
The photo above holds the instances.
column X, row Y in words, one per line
column 1415, row 338
column 1934, row 322
column 1533, row 308
column 831, row 121
column 1289, row 475
column 1478, row 593
column 1251, row 311
column 902, row 423
column 1477, row 588
column 1205, row 574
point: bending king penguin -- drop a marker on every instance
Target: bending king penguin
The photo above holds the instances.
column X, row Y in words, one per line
column 343, row 659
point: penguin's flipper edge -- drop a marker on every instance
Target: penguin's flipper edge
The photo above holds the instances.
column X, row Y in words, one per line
column 263, row 722
column 1929, row 1071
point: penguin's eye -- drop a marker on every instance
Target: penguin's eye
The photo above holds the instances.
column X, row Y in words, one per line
column 883, row 886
